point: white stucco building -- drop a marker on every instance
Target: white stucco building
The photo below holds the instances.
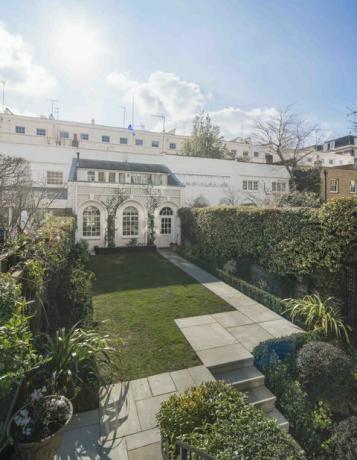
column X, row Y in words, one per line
column 83, row 175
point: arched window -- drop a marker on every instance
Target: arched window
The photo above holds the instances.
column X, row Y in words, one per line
column 166, row 221
column 130, row 221
column 91, row 221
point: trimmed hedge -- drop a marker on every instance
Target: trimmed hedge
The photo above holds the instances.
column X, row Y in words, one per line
column 217, row 419
column 293, row 241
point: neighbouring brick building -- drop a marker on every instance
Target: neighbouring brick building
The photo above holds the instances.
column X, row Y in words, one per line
column 339, row 181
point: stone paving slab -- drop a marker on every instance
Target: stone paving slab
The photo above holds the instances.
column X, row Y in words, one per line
column 83, row 419
column 250, row 335
column 182, row 380
column 207, row 336
column 82, row 444
column 140, row 389
column 151, row 452
column 114, row 449
column 161, row 384
column 280, row 327
column 144, row 438
column 232, row 318
column 257, row 312
column 194, row 321
column 218, row 356
column 200, row 374
column 147, row 410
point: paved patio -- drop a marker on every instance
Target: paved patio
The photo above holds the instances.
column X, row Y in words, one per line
column 124, row 427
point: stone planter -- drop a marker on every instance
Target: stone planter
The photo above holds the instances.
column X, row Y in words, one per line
column 46, row 449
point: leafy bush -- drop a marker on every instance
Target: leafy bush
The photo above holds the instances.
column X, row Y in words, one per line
column 74, row 358
column 296, row 241
column 216, row 418
column 280, row 349
column 11, row 300
column 320, row 316
column 344, row 439
column 324, row 369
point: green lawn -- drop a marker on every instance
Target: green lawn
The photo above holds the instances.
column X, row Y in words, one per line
column 139, row 294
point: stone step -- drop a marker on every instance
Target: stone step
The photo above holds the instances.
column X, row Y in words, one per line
column 261, row 397
column 279, row 417
column 243, row 378
column 230, row 365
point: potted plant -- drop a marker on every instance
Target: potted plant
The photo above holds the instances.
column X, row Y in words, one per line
column 36, row 428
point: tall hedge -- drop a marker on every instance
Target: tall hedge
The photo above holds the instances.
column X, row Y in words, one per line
column 293, row 241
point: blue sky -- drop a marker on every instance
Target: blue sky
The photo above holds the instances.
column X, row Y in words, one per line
column 236, row 59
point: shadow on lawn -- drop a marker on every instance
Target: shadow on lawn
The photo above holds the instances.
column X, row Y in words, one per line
column 135, row 271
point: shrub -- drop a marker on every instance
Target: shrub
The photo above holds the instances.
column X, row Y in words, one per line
column 300, row 199
column 323, row 317
column 344, row 439
column 280, row 349
column 74, row 358
column 295, row 241
column 216, row 418
column 324, row 369
column 11, row 300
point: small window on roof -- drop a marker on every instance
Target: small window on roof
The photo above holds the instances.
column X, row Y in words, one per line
column 101, row 176
column 91, row 176
column 111, row 177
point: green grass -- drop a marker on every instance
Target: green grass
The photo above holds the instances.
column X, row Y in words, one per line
column 140, row 295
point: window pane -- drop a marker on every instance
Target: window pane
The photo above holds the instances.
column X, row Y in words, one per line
column 112, row 177
column 54, row 178
column 84, row 137
column 123, row 140
column 155, row 143
column 101, row 176
column 105, row 139
column 91, row 176
column 139, row 142
column 130, row 221
column 166, row 211
column 172, row 145
column 20, row 129
column 91, row 221
column 165, row 225
column 40, row 132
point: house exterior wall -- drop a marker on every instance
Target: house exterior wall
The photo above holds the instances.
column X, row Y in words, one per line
column 210, row 178
column 343, row 178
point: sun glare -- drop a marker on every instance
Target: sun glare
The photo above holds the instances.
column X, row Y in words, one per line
column 77, row 48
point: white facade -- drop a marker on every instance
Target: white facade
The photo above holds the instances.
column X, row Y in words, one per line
column 216, row 181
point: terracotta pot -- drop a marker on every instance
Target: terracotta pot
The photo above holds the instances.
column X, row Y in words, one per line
column 46, row 449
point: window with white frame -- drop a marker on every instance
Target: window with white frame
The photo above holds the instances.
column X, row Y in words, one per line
column 140, row 179
column 278, row 187
column 156, row 179
column 334, row 185
column 130, row 221
column 111, row 177
column 250, row 185
column 20, row 129
column 166, row 214
column 353, row 186
column 91, row 222
column 155, row 144
column 91, row 176
column 172, row 146
column 64, row 134
column 40, row 132
column 84, row 136
column 54, row 178
column 105, row 139
column 101, row 176
column 123, row 140
column 139, row 142
column 245, row 153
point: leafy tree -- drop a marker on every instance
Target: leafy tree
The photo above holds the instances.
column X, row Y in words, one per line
column 205, row 140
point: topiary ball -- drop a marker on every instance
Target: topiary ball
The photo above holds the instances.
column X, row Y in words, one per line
column 324, row 369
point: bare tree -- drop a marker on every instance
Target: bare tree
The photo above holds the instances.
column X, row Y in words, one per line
column 289, row 137
column 231, row 196
column 21, row 198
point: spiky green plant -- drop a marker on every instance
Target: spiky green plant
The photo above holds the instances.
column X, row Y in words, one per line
column 318, row 315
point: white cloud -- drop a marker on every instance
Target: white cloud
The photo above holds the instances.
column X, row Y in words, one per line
column 18, row 69
column 162, row 93
column 180, row 101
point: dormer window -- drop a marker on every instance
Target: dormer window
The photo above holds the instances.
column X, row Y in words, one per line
column 101, row 176
column 91, row 176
